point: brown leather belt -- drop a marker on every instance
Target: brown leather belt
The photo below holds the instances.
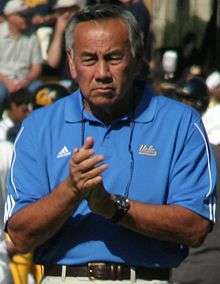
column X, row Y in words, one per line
column 107, row 271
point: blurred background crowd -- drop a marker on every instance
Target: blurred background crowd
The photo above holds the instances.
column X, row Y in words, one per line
column 182, row 61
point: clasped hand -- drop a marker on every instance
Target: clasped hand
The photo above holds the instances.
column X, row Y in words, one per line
column 86, row 170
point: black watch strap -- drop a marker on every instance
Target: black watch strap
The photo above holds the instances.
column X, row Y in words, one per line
column 122, row 206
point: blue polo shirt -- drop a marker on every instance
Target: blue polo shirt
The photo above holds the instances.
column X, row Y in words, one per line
column 173, row 165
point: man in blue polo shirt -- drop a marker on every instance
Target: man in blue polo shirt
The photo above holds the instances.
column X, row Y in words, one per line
column 111, row 183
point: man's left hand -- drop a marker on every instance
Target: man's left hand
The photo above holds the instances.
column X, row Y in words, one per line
column 100, row 201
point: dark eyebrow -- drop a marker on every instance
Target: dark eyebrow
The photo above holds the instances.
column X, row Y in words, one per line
column 87, row 54
column 115, row 51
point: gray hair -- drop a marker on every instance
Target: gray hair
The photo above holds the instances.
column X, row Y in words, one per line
column 107, row 11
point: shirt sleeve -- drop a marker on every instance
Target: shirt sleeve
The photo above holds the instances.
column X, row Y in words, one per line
column 193, row 177
column 27, row 179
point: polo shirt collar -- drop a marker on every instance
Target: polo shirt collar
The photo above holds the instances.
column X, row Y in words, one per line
column 145, row 111
column 74, row 107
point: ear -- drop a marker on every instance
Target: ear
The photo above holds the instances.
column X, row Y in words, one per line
column 71, row 64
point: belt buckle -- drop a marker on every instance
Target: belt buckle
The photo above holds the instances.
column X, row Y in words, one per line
column 97, row 270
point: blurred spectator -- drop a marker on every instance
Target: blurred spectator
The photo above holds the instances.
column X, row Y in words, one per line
column 193, row 71
column 43, row 21
column 17, row 108
column 193, row 92
column 211, row 120
column 188, row 55
column 213, row 80
column 141, row 13
column 211, row 117
column 56, row 57
column 5, row 154
column 48, row 94
column 40, row 11
column 169, row 65
column 20, row 54
column 213, row 83
column 163, row 76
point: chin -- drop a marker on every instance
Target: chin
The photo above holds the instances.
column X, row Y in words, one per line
column 103, row 103
column 103, row 98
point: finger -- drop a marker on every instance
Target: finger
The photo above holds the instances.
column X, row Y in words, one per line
column 91, row 183
column 81, row 155
column 89, row 143
column 90, row 163
column 94, row 172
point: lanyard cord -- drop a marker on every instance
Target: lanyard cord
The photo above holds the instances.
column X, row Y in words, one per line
column 131, row 171
column 83, row 121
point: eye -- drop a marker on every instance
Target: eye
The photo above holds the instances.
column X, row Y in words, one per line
column 114, row 58
column 88, row 61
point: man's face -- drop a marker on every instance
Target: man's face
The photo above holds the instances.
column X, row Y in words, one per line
column 19, row 21
column 102, row 62
column 19, row 112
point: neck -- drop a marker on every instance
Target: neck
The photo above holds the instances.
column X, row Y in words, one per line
column 110, row 113
column 13, row 30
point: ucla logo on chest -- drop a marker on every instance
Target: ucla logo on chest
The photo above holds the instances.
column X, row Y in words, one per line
column 148, row 150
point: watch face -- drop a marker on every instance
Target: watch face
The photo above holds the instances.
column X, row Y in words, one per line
column 122, row 203
column 122, row 206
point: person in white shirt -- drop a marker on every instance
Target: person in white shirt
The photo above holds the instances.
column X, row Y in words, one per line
column 6, row 150
column 20, row 53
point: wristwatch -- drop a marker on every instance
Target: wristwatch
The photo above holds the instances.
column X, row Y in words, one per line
column 122, row 206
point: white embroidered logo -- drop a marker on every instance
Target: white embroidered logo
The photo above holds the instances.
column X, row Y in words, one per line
column 147, row 150
column 63, row 153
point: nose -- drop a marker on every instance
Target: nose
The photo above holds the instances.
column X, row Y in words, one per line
column 102, row 72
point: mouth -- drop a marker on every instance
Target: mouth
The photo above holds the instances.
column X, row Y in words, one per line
column 104, row 90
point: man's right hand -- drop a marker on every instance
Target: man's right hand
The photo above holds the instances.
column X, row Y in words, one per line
column 11, row 85
column 86, row 168
column 62, row 21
